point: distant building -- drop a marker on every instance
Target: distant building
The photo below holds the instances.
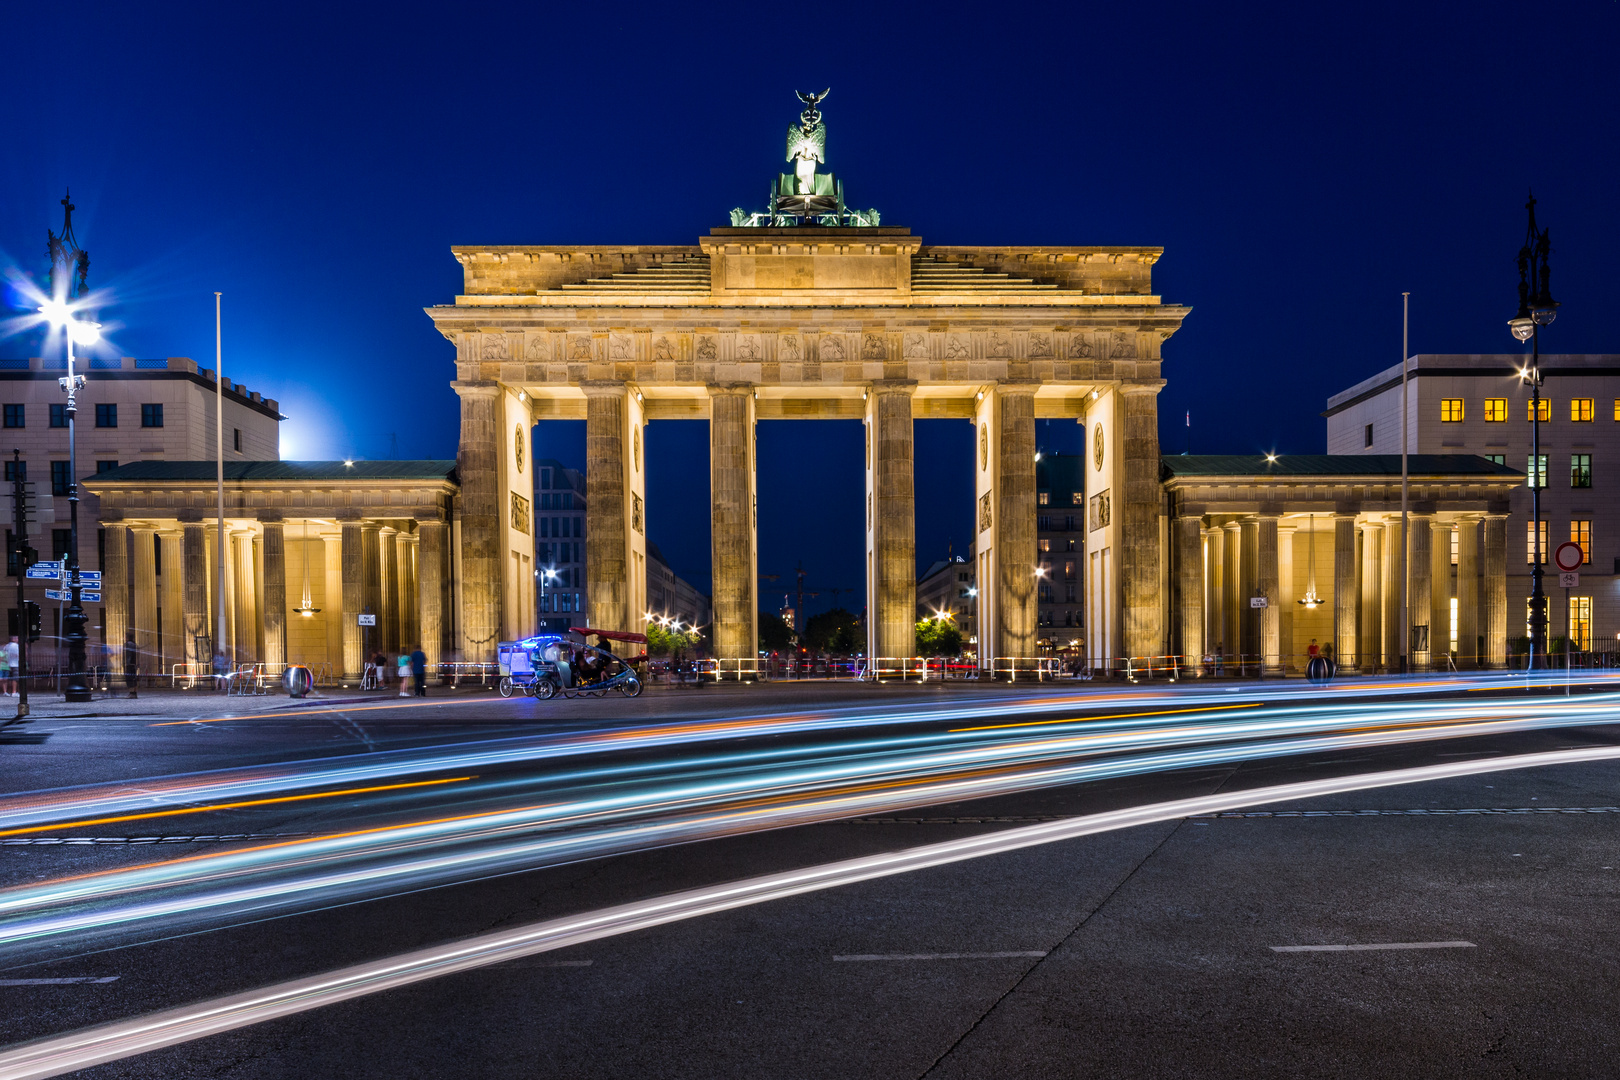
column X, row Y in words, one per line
column 1468, row 404
column 1060, row 508
column 559, row 496
column 129, row 410
column 670, row 596
column 947, row 587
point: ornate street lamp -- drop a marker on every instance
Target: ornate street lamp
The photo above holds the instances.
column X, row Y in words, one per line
column 1537, row 308
column 70, row 264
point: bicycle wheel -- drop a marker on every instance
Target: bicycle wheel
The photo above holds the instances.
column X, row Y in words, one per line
column 630, row 688
column 545, row 689
column 505, row 686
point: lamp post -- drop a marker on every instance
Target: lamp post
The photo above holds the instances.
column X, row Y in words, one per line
column 1537, row 308
column 83, row 333
column 544, row 576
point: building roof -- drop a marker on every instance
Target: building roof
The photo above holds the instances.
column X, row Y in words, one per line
column 1475, row 365
column 277, row 471
column 1332, row 465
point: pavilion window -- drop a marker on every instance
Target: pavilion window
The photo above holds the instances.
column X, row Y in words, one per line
column 1495, row 410
column 1580, row 532
column 1580, row 470
column 1580, row 410
column 1530, row 410
column 1451, row 410
column 1530, row 542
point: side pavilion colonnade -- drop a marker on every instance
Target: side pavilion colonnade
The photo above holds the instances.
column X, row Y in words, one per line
column 812, row 323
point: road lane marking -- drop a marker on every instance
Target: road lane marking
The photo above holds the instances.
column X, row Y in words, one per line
column 114, row 1041
column 943, row 956
column 58, row 982
column 1375, row 948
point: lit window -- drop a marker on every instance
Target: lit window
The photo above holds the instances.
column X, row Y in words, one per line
column 1617, row 408
column 1546, row 410
column 1078, row 498
column 1500, row 459
column 1043, row 498
column 1535, row 470
column 1580, row 532
column 1495, row 409
column 1043, row 544
column 1580, row 470
column 1451, row 410
column 1580, row 622
column 1580, row 410
column 1530, row 543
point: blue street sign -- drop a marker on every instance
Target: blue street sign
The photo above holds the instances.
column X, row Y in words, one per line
column 90, row 596
column 57, row 594
column 45, row 572
column 90, row 577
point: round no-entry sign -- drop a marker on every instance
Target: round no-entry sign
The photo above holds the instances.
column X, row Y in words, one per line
column 1568, row 556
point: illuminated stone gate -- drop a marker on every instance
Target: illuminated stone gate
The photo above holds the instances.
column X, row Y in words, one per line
column 812, row 311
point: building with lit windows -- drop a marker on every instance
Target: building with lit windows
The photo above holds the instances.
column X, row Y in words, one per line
column 1060, row 515
column 947, row 588
column 1477, row 404
column 559, row 544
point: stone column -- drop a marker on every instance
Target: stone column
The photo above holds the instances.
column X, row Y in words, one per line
column 371, row 586
column 194, row 620
column 1468, row 593
column 1190, row 586
column 1370, row 633
column 1249, row 580
column 1234, row 603
column 1267, row 585
column 275, row 594
column 1286, row 593
column 1215, row 582
column 1017, row 608
column 1421, row 576
column 733, row 523
column 1440, row 595
column 332, row 601
column 354, row 598
column 433, row 578
column 176, row 646
column 1346, row 592
column 607, row 532
column 115, row 591
column 388, row 592
column 478, row 463
column 144, row 597
column 892, row 543
column 1141, row 563
column 240, row 552
column 1493, row 591
column 410, row 630
column 1391, row 589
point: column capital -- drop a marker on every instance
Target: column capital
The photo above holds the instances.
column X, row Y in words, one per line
column 1149, row 386
column 476, row 389
column 604, row 387
column 268, row 517
column 730, row 389
column 1494, row 516
column 893, row 386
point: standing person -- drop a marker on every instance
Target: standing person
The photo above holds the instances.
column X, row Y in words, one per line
column 8, row 666
column 404, row 669
column 419, row 670
column 132, row 662
column 380, row 663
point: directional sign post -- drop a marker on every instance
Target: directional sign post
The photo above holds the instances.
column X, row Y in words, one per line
column 57, row 594
column 89, row 577
column 90, row 596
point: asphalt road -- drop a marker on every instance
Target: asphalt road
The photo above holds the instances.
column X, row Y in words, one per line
column 1142, row 952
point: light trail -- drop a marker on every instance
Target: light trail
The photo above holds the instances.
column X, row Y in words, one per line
column 61, row 1054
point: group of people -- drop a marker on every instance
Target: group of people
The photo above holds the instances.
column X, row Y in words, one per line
column 411, row 666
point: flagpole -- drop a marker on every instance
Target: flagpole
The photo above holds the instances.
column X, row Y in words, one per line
column 219, row 478
column 1406, row 545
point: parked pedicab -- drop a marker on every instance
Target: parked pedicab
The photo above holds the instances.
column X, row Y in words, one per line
column 550, row 664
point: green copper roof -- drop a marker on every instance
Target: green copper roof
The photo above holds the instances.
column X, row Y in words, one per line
column 1328, row 465
column 276, row 471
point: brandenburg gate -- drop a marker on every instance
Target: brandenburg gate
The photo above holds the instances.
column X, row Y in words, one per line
column 812, row 311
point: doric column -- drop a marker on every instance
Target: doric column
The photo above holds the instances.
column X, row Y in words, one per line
column 478, row 463
column 194, row 620
column 354, row 598
column 607, row 532
column 1468, row 593
column 1493, row 591
column 1421, row 576
column 1346, row 592
column 410, row 629
column 332, row 601
column 433, row 580
column 891, row 543
column 1140, row 561
column 1014, row 529
column 1249, row 616
column 1235, row 604
column 370, row 585
column 1190, row 588
column 387, row 638
column 1390, row 564
column 733, row 525
column 1440, row 594
column 1286, row 593
column 1215, row 582
column 144, row 596
column 115, row 590
column 275, row 593
column 176, row 646
column 1267, row 585
column 240, row 552
column 1370, row 632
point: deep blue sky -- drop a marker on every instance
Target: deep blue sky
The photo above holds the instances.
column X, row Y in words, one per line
column 1301, row 164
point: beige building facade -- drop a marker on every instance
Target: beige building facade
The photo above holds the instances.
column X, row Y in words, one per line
column 807, row 323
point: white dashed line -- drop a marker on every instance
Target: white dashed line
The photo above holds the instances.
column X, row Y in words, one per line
column 58, row 982
column 1371, row 948
column 941, row 956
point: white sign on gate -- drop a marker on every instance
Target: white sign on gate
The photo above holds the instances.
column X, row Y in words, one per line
column 1257, row 601
column 367, row 620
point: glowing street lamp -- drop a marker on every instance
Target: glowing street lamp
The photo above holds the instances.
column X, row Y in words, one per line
column 1537, row 308
column 544, row 576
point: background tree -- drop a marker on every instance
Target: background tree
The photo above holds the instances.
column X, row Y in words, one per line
column 663, row 640
column 938, row 637
column 774, row 634
column 835, row 631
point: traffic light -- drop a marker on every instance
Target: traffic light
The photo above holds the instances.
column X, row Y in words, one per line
column 29, row 556
column 33, row 619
